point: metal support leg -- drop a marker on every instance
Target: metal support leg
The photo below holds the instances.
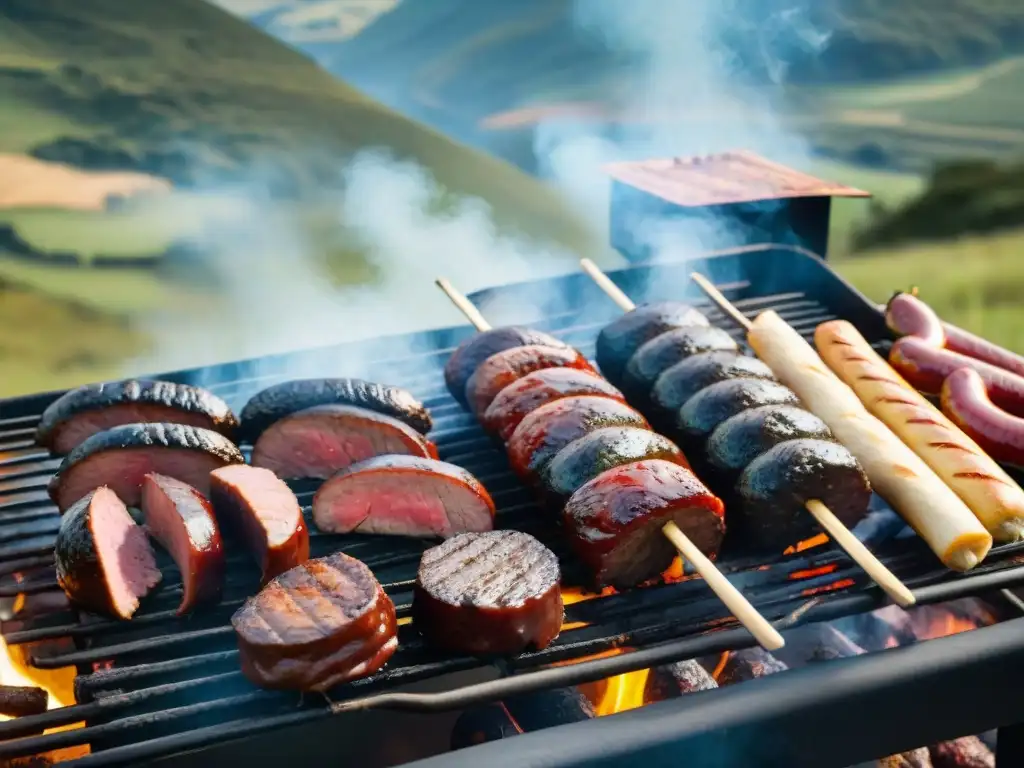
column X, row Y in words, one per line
column 1010, row 746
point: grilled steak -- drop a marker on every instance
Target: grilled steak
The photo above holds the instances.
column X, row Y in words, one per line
column 501, row 369
column 23, row 700
column 82, row 412
column 619, row 340
column 775, row 486
column 274, row 403
column 122, row 456
column 181, row 519
column 668, row 349
column 318, row 625
column 474, row 350
column 104, row 561
column 256, row 505
column 551, row 427
column 488, row 593
column 404, row 496
column 319, row 441
column 677, row 384
column 714, row 404
column 673, row 680
column 614, row 522
column 535, row 389
column 587, row 457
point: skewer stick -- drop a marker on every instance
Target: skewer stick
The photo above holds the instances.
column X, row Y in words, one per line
column 840, row 534
column 765, row 634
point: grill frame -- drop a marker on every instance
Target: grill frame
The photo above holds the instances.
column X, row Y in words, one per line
column 746, row 277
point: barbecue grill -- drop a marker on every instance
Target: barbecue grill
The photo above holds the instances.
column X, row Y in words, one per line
column 160, row 686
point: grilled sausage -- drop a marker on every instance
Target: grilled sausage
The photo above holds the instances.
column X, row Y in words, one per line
column 104, row 561
column 82, row 412
column 619, row 340
column 181, row 519
column 488, row 593
column 404, row 496
column 966, row 403
column 667, row 349
column 673, row 680
column 320, row 441
column 551, row 427
column 320, row 624
column 535, row 389
column 897, row 473
column 280, row 400
column 714, row 404
column 474, row 350
column 614, row 521
column 994, row 498
column 122, row 456
column 678, row 383
column 501, row 369
column 258, row 507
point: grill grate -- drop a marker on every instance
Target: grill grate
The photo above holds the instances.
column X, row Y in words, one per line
column 161, row 684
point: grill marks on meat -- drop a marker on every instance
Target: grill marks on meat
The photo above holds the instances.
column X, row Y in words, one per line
column 619, row 340
column 488, row 593
column 501, row 369
column 257, row 506
column 80, row 413
column 614, row 521
column 319, row 441
column 275, row 403
column 667, row 350
column 181, row 519
column 548, row 429
column 122, row 456
column 467, row 358
column 104, row 561
column 519, row 398
column 320, row 624
column 673, row 680
column 677, row 384
column 405, row 496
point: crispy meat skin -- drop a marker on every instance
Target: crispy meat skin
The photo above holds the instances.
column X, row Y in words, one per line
column 501, row 369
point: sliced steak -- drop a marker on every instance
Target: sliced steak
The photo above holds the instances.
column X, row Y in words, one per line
column 403, row 496
column 104, row 561
column 619, row 340
column 474, row 350
column 673, row 680
column 122, row 456
column 280, row 400
column 488, row 593
column 518, row 399
column 82, row 412
column 678, row 383
column 614, row 522
column 318, row 625
column 255, row 504
column 501, row 369
column 662, row 352
column 320, row 441
column 181, row 519
column 548, row 429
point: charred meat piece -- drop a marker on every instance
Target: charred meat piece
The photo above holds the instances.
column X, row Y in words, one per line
column 535, row 389
column 614, row 522
column 403, row 496
column 714, row 404
column 501, row 369
column 319, row 441
column 257, row 506
column 274, row 403
column 587, row 457
column 774, row 488
column 550, row 428
column 320, row 624
column 181, row 519
column 23, row 700
column 740, row 439
column 966, row 752
column 82, row 412
column 620, row 339
column 673, row 680
column 680, row 382
column 664, row 351
column 488, row 593
column 748, row 664
column 104, row 561
column 122, row 456
column 474, row 350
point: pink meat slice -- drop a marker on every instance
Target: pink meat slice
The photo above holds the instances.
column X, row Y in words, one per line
column 317, row 442
column 88, row 423
column 403, row 496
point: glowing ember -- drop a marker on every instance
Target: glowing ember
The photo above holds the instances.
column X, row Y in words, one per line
column 801, row 546
column 810, row 573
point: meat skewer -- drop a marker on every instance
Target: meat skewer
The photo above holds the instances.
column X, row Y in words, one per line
column 766, row 635
column 825, row 517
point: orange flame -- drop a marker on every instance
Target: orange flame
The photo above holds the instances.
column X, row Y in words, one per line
column 814, row 541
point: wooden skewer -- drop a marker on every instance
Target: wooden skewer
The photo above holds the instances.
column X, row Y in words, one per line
column 860, row 554
column 765, row 634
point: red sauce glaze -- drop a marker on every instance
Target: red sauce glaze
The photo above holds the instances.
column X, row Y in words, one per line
column 501, row 369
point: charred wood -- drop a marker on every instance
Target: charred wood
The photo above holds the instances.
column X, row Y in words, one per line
column 672, row 680
column 22, row 700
